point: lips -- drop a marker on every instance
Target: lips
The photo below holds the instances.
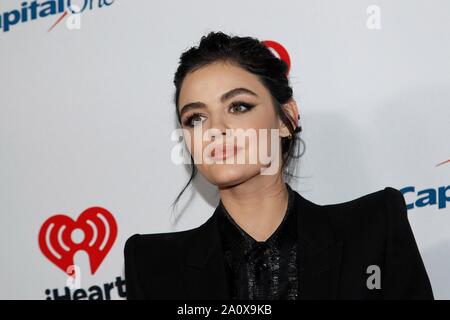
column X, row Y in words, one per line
column 220, row 153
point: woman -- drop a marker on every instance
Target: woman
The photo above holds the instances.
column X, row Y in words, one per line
column 264, row 240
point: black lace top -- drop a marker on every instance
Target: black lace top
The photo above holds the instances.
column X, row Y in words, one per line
column 261, row 269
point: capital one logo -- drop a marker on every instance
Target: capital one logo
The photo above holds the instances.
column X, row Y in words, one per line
column 94, row 232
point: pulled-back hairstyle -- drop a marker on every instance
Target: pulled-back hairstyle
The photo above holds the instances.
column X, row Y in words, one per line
column 255, row 57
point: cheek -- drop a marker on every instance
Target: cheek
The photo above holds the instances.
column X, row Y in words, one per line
column 198, row 148
column 191, row 141
column 263, row 130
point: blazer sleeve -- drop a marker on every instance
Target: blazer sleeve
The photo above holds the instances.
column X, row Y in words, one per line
column 132, row 283
column 404, row 272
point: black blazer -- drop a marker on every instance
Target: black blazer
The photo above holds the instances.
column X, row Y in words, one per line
column 337, row 244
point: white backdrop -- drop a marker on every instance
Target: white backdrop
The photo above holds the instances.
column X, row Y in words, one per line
column 86, row 118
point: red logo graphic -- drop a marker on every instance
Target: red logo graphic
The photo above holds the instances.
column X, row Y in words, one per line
column 96, row 225
column 281, row 51
column 444, row 162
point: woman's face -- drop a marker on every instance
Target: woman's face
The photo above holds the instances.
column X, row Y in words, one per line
column 206, row 113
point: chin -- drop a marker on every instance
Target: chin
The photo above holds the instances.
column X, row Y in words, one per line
column 227, row 175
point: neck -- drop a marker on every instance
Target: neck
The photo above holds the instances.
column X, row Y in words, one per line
column 258, row 205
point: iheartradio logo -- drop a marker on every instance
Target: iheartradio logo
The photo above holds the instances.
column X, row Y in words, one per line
column 94, row 232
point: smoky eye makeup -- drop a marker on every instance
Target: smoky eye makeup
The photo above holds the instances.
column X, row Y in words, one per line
column 233, row 108
column 188, row 121
column 248, row 106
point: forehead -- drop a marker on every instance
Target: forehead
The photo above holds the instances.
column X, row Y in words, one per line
column 208, row 83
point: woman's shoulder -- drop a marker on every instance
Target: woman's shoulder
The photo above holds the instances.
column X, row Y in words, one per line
column 372, row 213
column 379, row 201
column 157, row 240
column 379, row 196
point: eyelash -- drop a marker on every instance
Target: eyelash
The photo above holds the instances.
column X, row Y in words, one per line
column 248, row 107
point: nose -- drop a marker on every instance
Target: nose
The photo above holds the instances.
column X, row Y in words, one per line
column 218, row 133
column 218, row 128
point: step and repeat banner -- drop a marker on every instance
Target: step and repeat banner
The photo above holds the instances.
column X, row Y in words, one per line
column 86, row 123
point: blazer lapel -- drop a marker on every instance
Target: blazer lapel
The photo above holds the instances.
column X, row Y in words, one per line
column 203, row 267
column 319, row 252
column 319, row 272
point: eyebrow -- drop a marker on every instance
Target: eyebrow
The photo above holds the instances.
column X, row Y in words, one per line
column 226, row 96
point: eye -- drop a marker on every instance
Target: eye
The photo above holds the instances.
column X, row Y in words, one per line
column 193, row 120
column 237, row 106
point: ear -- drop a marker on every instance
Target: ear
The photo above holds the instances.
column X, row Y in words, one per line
column 292, row 110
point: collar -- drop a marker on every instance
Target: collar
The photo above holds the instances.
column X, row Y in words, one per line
column 235, row 239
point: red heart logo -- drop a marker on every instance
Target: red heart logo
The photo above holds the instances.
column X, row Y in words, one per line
column 98, row 228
